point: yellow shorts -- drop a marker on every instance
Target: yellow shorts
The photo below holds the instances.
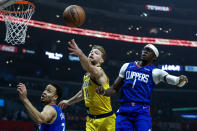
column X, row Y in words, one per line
column 101, row 124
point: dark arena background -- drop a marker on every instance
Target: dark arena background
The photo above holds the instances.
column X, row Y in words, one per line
column 123, row 27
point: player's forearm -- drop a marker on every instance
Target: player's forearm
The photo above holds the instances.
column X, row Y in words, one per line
column 85, row 63
column 114, row 88
column 77, row 98
column 109, row 92
column 34, row 114
column 172, row 80
column 178, row 81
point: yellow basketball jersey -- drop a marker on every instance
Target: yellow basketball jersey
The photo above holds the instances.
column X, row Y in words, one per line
column 96, row 103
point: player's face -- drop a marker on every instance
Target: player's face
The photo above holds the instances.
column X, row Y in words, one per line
column 147, row 54
column 49, row 94
column 95, row 56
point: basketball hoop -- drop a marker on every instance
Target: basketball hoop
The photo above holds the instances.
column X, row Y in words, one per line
column 16, row 19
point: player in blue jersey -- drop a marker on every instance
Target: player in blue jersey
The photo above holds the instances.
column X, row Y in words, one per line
column 52, row 117
column 136, row 81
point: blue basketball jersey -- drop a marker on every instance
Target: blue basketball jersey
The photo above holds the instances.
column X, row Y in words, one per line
column 138, row 84
column 58, row 125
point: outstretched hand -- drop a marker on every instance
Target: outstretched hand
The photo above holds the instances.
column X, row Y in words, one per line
column 100, row 90
column 182, row 80
column 63, row 104
column 22, row 91
column 73, row 48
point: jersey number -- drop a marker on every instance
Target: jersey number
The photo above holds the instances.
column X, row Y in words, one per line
column 134, row 83
column 86, row 91
column 63, row 124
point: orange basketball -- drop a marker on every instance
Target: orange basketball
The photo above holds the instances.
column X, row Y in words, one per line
column 74, row 16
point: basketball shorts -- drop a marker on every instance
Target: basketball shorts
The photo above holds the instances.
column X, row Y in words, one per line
column 133, row 117
column 101, row 124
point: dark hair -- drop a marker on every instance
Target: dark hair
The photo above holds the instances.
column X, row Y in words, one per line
column 102, row 50
column 59, row 91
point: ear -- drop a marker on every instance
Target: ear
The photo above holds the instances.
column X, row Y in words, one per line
column 155, row 58
column 55, row 97
column 101, row 61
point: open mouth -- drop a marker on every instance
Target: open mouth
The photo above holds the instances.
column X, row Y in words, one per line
column 91, row 57
column 42, row 96
column 144, row 55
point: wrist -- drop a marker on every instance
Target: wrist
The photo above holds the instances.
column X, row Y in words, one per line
column 104, row 92
column 80, row 54
column 69, row 102
column 24, row 100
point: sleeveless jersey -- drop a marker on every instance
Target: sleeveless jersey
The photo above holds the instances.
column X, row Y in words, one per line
column 138, row 84
column 97, row 104
column 58, row 125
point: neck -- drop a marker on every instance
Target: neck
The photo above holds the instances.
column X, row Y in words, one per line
column 143, row 63
column 50, row 103
column 96, row 64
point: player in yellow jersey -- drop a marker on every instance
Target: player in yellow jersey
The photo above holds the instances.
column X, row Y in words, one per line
column 100, row 115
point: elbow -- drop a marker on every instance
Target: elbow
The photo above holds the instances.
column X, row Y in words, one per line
column 40, row 121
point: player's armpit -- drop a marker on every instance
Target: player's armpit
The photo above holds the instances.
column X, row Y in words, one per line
column 48, row 114
column 117, row 83
column 101, row 79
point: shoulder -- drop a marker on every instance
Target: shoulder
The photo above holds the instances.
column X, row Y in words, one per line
column 50, row 108
column 125, row 65
column 159, row 72
column 122, row 70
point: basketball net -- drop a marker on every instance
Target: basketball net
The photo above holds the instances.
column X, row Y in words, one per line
column 16, row 19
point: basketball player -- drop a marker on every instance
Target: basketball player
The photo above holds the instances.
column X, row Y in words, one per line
column 99, row 111
column 51, row 118
column 136, row 80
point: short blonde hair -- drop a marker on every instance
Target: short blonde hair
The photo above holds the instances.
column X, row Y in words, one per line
column 102, row 50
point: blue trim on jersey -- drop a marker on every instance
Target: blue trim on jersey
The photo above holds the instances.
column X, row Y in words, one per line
column 138, row 84
column 58, row 125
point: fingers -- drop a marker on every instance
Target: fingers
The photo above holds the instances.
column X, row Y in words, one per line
column 71, row 44
column 74, row 43
column 63, row 104
column 20, row 84
column 100, row 90
column 19, row 90
column 60, row 105
column 184, row 78
column 73, row 52
column 72, row 47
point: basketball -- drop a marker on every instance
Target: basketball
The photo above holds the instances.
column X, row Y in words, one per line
column 74, row 16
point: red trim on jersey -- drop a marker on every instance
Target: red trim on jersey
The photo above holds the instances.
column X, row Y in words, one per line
column 150, row 113
column 135, row 62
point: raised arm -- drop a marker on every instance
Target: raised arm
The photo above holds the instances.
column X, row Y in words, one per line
column 85, row 63
column 76, row 98
column 46, row 116
column 162, row 76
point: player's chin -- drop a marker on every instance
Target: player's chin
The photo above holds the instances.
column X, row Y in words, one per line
column 42, row 99
column 144, row 58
